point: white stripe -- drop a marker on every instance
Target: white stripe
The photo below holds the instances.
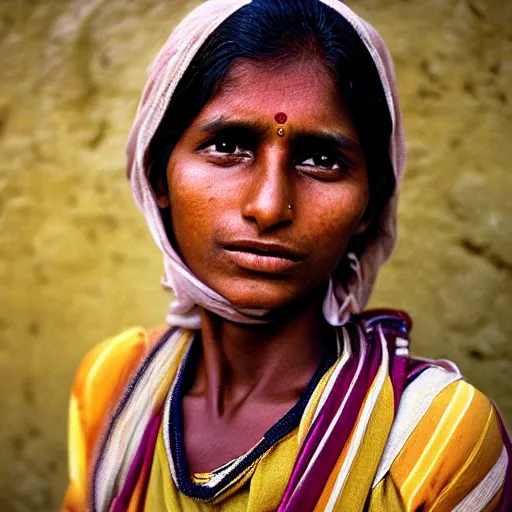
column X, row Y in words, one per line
column 415, row 402
column 362, row 425
column 483, row 493
column 401, row 342
column 128, row 430
column 449, row 366
column 402, row 352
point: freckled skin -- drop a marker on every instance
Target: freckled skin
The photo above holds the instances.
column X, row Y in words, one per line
column 249, row 377
column 211, row 204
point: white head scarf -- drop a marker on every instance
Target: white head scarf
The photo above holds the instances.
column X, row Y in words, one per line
column 343, row 298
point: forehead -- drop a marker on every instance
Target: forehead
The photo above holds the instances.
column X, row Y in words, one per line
column 304, row 91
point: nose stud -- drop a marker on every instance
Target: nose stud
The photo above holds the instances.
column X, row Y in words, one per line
column 289, row 207
column 280, row 131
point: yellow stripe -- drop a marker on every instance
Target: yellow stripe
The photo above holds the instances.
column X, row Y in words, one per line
column 418, row 439
column 329, row 486
column 99, row 381
column 385, row 497
column 437, row 443
column 76, row 444
column 360, row 478
column 381, row 413
column 133, row 337
column 76, row 453
column 309, row 413
column 479, row 462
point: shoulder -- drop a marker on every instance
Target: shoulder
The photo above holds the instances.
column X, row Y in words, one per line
column 105, row 371
column 100, row 381
column 448, row 448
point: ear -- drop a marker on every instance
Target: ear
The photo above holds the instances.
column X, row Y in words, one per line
column 161, row 191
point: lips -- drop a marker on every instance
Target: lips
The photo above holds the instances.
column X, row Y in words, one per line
column 263, row 257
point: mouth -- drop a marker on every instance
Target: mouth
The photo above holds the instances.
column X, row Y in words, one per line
column 263, row 257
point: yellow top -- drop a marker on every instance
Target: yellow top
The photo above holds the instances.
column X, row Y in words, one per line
column 454, row 452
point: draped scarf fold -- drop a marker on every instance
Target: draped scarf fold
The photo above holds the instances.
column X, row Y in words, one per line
column 343, row 431
column 378, row 431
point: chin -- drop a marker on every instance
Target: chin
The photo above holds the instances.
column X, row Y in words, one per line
column 263, row 301
column 263, row 295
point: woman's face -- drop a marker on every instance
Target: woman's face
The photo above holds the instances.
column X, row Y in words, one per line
column 263, row 218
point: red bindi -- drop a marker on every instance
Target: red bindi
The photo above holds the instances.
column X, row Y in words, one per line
column 281, row 118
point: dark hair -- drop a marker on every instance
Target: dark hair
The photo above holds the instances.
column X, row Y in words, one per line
column 273, row 31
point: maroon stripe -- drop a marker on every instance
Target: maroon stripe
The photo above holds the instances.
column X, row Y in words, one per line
column 310, row 444
column 142, row 459
column 398, row 366
column 416, row 366
column 305, row 497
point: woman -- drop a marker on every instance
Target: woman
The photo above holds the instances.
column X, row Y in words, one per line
column 265, row 156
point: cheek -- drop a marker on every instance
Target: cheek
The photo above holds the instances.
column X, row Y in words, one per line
column 336, row 220
column 190, row 204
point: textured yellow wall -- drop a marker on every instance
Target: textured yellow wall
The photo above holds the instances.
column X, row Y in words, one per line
column 77, row 263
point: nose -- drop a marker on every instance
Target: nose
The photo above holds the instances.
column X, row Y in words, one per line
column 268, row 201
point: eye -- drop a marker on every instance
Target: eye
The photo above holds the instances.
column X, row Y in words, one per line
column 323, row 161
column 225, row 146
column 325, row 165
column 222, row 146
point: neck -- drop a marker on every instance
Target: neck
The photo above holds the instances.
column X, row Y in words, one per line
column 264, row 363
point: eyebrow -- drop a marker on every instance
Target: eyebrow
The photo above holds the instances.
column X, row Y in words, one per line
column 223, row 123
column 326, row 138
column 297, row 137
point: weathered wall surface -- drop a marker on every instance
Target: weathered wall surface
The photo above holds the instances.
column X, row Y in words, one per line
column 77, row 263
